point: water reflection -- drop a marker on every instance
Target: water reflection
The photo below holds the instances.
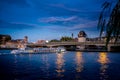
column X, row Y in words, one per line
column 15, row 59
column 60, row 64
column 79, row 61
column 103, row 60
column 79, row 64
column 45, row 66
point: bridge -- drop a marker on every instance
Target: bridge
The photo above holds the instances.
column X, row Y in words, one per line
column 87, row 43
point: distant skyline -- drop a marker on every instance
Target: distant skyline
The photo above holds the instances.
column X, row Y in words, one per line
column 49, row 19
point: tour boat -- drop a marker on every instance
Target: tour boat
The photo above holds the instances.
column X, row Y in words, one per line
column 38, row 50
column 22, row 50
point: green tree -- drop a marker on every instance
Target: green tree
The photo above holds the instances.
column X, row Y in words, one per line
column 65, row 38
column 54, row 40
column 111, row 24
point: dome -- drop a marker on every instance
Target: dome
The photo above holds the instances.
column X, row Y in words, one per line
column 82, row 34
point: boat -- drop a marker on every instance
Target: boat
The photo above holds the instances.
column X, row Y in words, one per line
column 38, row 50
column 60, row 50
column 22, row 50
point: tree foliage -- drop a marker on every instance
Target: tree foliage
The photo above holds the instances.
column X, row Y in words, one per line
column 65, row 38
column 110, row 24
column 54, row 40
column 5, row 38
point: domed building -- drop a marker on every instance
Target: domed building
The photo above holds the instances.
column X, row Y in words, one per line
column 82, row 36
column 25, row 39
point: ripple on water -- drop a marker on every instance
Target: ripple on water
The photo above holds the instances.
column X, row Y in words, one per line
column 72, row 66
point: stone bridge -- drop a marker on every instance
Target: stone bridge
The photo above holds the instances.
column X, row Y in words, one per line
column 87, row 43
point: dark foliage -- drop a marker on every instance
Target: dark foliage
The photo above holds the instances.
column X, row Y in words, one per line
column 4, row 38
column 54, row 40
column 66, row 38
column 111, row 24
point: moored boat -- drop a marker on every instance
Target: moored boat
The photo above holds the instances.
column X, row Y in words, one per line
column 37, row 50
column 60, row 50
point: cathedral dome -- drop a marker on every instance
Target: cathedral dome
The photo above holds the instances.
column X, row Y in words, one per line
column 82, row 34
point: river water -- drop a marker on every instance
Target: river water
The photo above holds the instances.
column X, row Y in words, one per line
column 60, row 66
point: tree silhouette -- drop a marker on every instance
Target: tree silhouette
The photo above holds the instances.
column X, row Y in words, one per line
column 66, row 38
column 72, row 35
column 54, row 40
column 4, row 38
column 111, row 24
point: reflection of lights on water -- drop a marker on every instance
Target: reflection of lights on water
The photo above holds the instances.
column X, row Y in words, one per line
column 45, row 66
column 45, row 60
column 103, row 60
column 79, row 65
column 15, row 57
column 79, row 62
column 30, row 55
column 60, row 64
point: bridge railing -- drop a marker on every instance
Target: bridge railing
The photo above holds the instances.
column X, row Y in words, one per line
column 86, row 42
column 74, row 43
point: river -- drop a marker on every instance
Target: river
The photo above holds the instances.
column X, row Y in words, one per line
column 60, row 66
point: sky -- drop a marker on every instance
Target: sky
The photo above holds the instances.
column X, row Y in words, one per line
column 49, row 19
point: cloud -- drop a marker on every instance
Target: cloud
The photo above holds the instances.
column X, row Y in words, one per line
column 71, row 22
column 57, row 19
column 64, row 7
column 64, row 21
column 15, row 2
column 8, row 6
column 27, row 24
column 79, row 8
column 60, row 8
column 16, row 25
column 89, row 24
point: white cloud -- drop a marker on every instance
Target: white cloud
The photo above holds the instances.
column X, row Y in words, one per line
column 89, row 24
column 64, row 7
column 57, row 19
column 27, row 24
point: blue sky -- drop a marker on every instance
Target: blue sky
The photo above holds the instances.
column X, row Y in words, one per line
column 49, row 19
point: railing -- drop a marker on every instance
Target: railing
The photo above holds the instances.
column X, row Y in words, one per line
column 87, row 42
column 74, row 43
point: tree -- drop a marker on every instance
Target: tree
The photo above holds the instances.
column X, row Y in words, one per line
column 4, row 38
column 54, row 40
column 110, row 24
column 66, row 38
